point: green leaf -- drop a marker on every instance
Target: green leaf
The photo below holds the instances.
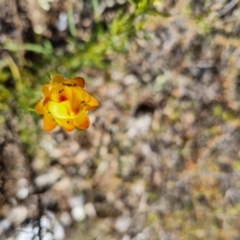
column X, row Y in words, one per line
column 13, row 47
column 72, row 27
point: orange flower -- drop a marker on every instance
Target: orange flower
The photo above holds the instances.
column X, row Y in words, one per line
column 66, row 103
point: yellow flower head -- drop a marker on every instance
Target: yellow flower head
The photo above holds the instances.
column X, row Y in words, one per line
column 66, row 103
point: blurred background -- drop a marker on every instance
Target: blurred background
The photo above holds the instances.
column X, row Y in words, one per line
column 161, row 159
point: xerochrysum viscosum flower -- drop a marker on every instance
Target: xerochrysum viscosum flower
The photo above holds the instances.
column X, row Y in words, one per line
column 66, row 103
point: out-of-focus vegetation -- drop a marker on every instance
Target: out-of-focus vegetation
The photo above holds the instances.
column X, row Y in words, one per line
column 161, row 159
column 72, row 53
column 26, row 66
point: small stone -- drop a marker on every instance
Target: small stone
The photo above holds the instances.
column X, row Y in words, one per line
column 139, row 126
column 65, row 219
column 140, row 236
column 48, row 236
column 63, row 185
column 58, row 232
column 78, row 213
column 126, row 237
column 17, row 215
column 77, row 201
column 110, row 197
column 22, row 182
column 45, row 222
column 62, row 21
column 48, row 178
column 121, row 1
column 90, row 210
column 81, row 157
column 232, row 195
column 22, row 193
column 123, row 223
column 4, row 225
column 146, row 77
column 188, row 118
column 26, row 233
column 138, row 188
column 130, row 79
column 74, row 147
column 110, row 3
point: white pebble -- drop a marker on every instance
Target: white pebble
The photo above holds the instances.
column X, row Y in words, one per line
column 78, row 213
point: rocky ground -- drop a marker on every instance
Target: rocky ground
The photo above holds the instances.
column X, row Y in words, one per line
column 161, row 157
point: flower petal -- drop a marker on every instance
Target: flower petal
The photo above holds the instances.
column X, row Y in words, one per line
column 92, row 104
column 67, row 124
column 45, row 101
column 82, row 121
column 49, row 122
column 85, row 95
column 80, row 81
column 81, row 98
column 62, row 110
column 59, row 110
column 77, row 100
column 46, row 89
column 39, row 107
column 58, row 79
column 59, row 94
